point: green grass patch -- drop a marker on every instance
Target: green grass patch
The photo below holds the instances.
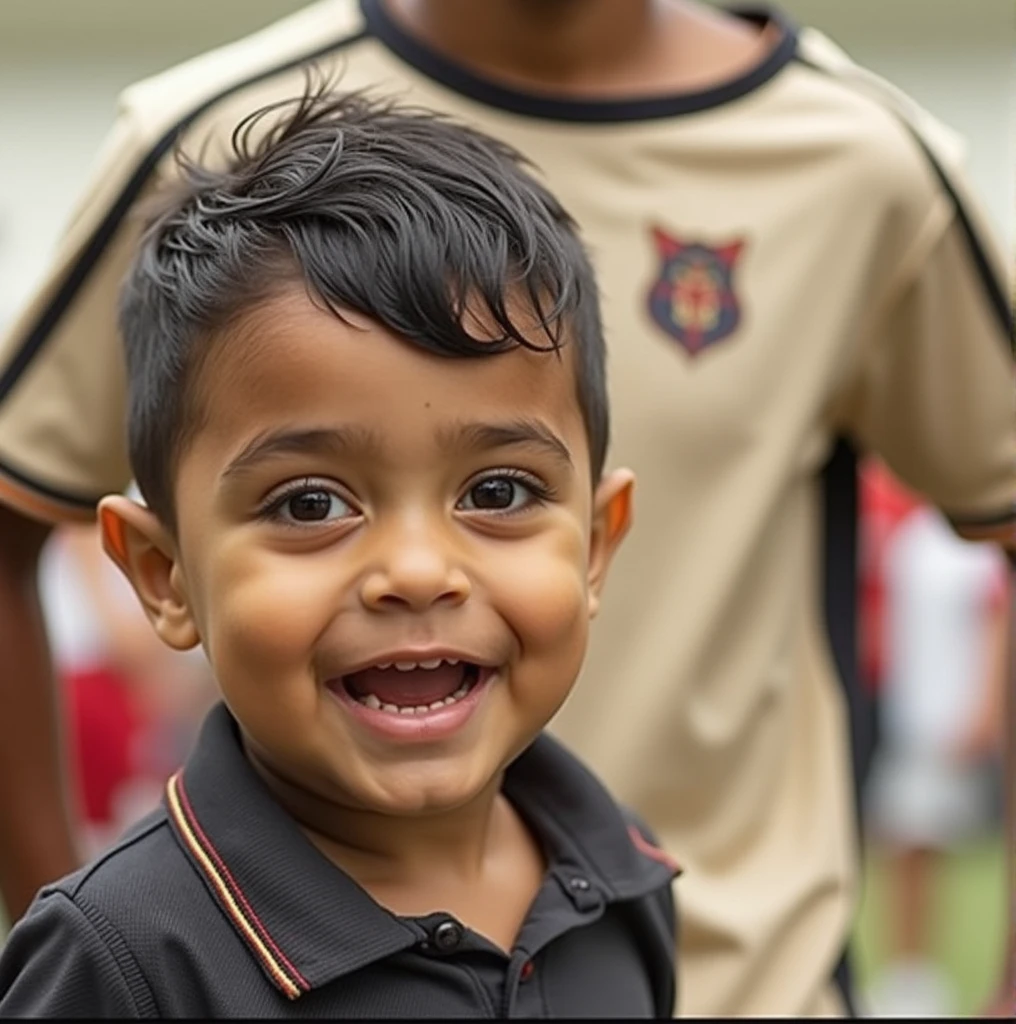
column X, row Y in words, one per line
column 969, row 921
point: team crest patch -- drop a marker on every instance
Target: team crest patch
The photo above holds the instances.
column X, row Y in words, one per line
column 693, row 297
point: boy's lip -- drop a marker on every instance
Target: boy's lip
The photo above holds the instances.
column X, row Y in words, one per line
column 431, row 726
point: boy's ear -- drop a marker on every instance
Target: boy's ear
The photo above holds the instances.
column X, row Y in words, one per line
column 145, row 553
column 612, row 516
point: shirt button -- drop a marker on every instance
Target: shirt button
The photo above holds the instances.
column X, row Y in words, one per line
column 447, row 936
column 527, row 971
column 582, row 893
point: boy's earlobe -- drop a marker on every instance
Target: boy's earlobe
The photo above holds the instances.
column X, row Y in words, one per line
column 612, row 517
column 144, row 552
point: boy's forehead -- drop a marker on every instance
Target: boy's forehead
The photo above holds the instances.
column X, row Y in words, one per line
column 288, row 359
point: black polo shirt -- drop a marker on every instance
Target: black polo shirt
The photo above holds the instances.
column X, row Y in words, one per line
column 217, row 905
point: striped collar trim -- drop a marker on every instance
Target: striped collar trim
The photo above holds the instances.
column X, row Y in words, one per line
column 230, row 896
column 306, row 922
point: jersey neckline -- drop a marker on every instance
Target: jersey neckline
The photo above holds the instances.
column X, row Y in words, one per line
column 458, row 78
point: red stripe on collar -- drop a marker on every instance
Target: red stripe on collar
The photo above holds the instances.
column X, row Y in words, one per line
column 231, row 897
column 653, row 852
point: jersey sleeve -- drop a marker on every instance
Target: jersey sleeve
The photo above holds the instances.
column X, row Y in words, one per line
column 57, row 963
column 934, row 395
column 62, row 382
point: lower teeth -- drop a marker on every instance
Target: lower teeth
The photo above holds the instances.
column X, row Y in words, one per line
column 372, row 701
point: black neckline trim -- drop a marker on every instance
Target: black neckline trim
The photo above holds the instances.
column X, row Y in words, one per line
column 465, row 82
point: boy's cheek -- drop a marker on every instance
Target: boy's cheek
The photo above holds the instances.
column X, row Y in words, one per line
column 269, row 609
column 543, row 596
column 271, row 618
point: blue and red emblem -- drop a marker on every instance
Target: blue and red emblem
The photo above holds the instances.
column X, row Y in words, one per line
column 693, row 298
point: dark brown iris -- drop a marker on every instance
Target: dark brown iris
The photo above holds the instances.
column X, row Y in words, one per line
column 494, row 493
column 310, row 506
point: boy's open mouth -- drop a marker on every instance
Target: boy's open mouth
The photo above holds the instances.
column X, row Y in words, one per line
column 413, row 688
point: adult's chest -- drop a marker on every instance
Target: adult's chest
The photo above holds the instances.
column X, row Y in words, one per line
column 734, row 279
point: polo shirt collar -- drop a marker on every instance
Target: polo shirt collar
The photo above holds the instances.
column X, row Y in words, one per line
column 305, row 921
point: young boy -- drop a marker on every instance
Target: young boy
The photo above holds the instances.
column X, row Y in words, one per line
column 368, row 417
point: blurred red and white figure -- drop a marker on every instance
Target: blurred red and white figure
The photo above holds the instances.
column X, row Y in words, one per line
column 938, row 616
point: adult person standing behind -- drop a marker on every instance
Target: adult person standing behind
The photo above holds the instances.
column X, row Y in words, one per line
column 789, row 256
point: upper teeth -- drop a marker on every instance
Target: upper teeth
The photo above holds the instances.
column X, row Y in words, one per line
column 408, row 666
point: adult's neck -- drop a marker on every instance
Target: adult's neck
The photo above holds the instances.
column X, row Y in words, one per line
column 586, row 48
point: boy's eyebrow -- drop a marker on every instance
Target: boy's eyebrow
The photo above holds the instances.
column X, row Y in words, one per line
column 529, row 432
column 320, row 441
column 343, row 440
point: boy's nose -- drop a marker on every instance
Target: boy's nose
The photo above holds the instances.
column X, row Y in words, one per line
column 414, row 574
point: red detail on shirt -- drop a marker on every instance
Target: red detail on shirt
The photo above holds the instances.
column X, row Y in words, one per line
column 654, row 852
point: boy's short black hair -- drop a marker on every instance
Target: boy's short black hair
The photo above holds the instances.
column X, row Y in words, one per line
column 397, row 213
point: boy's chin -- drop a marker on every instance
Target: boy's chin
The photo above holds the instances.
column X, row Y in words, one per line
column 426, row 788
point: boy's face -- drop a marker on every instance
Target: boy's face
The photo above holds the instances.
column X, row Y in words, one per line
column 390, row 557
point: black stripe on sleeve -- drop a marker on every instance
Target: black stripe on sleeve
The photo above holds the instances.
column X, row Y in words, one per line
column 994, row 289
column 45, row 491
column 101, row 237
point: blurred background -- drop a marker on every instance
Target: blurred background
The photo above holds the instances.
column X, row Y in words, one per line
column 932, row 919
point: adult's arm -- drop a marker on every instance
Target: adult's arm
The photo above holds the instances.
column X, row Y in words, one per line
column 36, row 836
column 61, row 448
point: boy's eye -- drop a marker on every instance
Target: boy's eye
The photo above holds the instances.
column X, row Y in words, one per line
column 309, row 505
column 500, row 494
column 312, row 506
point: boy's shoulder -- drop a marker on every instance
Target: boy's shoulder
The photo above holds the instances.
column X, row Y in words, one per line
column 144, row 881
column 97, row 933
column 147, row 848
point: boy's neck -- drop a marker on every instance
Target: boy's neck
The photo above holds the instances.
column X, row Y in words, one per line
column 588, row 48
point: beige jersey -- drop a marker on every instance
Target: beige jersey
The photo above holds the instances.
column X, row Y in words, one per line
column 786, row 260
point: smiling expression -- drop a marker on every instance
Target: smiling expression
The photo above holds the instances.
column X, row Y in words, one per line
column 390, row 557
